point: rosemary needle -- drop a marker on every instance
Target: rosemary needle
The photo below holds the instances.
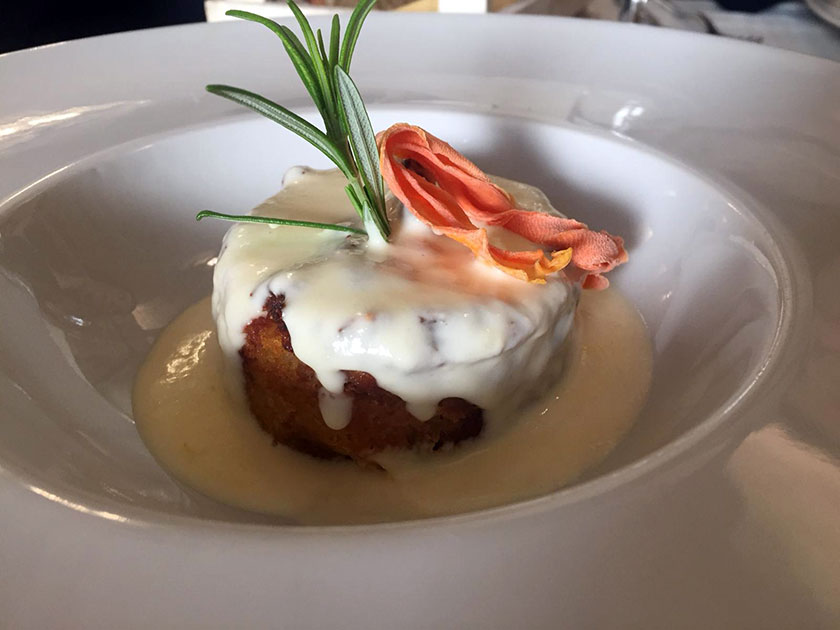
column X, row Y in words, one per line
column 250, row 218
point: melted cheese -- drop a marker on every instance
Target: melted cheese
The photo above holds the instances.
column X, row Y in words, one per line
column 420, row 314
column 203, row 433
column 428, row 322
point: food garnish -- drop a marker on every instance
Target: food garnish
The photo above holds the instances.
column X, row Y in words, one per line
column 450, row 194
column 437, row 184
column 348, row 140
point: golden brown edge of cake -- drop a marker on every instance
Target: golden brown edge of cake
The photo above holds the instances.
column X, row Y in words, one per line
column 283, row 395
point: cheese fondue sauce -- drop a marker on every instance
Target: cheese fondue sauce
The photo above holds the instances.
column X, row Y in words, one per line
column 202, row 432
column 420, row 314
column 429, row 322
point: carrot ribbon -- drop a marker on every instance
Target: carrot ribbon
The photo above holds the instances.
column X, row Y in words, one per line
column 450, row 194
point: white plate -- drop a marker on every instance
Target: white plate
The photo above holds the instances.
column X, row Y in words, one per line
column 719, row 160
column 826, row 9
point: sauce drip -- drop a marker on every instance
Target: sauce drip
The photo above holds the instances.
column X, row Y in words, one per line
column 202, row 432
column 420, row 314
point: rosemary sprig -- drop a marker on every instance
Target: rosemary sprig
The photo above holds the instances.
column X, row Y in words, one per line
column 348, row 139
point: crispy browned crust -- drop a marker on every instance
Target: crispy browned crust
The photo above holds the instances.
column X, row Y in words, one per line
column 283, row 395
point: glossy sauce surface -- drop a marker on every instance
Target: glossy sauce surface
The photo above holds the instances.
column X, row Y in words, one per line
column 420, row 314
column 205, row 436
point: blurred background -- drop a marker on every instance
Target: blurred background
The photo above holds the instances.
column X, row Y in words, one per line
column 806, row 26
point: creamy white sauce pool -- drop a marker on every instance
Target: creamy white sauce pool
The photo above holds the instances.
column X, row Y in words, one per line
column 428, row 322
column 420, row 314
column 205, row 436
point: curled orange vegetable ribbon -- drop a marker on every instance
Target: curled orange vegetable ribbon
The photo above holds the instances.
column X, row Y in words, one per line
column 447, row 192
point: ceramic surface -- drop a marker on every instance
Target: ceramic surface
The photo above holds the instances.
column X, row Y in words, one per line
column 720, row 508
column 826, row 9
